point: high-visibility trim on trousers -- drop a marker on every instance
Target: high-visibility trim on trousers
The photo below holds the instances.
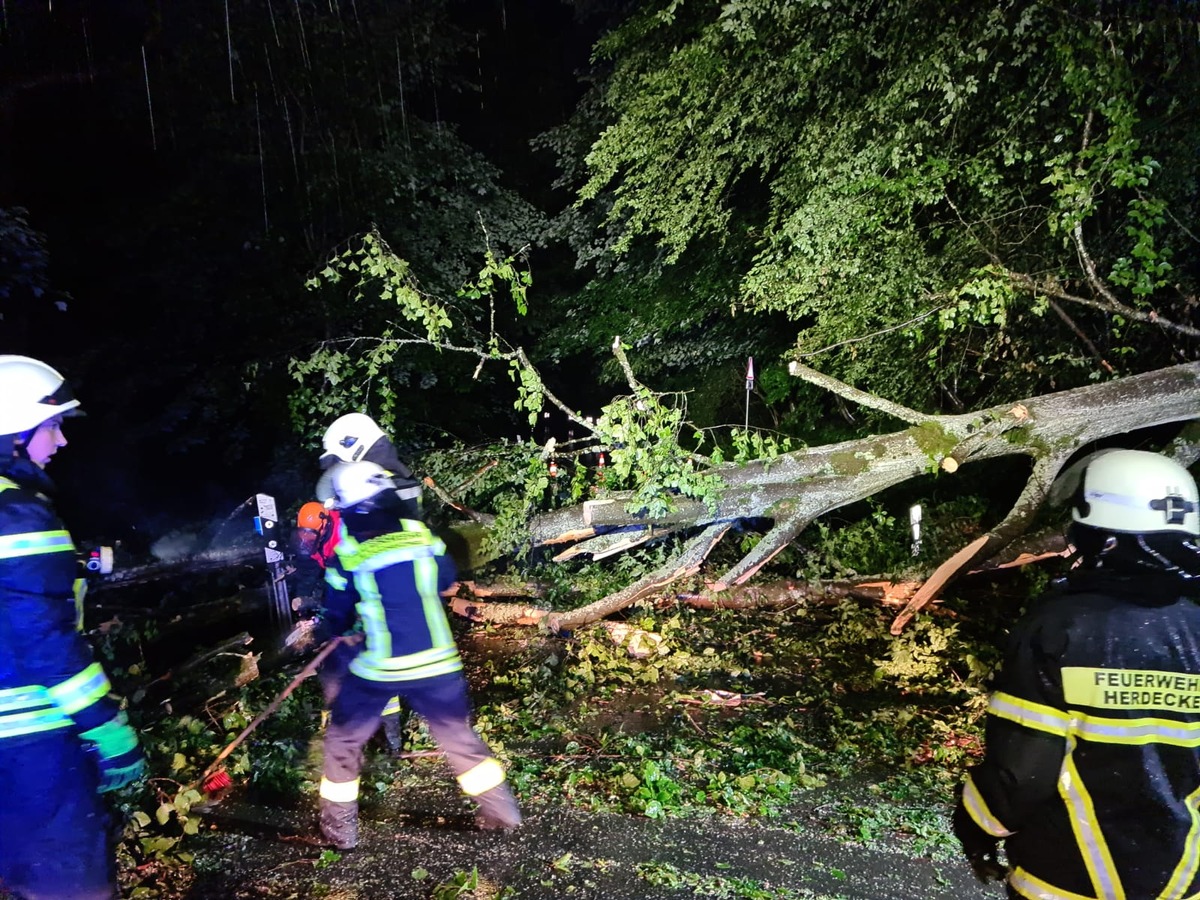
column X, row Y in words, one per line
column 339, row 791
column 978, row 810
column 482, row 777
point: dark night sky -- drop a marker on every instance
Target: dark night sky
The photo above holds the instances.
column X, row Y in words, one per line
column 75, row 151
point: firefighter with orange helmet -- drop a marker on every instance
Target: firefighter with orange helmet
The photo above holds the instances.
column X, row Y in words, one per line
column 1092, row 770
column 63, row 738
column 317, row 532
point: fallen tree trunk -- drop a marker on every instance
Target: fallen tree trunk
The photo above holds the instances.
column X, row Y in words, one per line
column 480, row 605
column 795, row 488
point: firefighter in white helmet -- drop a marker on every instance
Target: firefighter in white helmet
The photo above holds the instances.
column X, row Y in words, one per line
column 388, row 571
column 1091, row 776
column 63, row 738
column 355, row 437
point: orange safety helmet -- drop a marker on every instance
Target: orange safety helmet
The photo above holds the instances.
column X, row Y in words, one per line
column 312, row 515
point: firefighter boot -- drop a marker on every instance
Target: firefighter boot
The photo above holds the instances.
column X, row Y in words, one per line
column 391, row 732
column 339, row 823
column 498, row 810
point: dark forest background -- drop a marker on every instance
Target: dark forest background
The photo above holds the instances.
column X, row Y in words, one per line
column 178, row 231
column 948, row 210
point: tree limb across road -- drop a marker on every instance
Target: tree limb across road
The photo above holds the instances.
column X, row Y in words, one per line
column 795, row 488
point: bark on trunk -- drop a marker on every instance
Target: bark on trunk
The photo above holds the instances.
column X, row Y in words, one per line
column 795, row 488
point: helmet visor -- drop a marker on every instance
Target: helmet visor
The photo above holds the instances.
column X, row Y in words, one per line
column 64, row 397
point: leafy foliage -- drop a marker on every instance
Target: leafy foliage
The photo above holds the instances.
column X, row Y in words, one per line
column 852, row 696
column 897, row 204
column 404, row 331
column 644, row 434
column 25, row 288
column 668, row 875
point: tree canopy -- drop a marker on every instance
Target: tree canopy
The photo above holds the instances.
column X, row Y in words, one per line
column 950, row 209
column 952, row 206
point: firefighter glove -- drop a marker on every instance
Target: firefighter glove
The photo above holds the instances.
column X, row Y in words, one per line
column 981, row 849
column 118, row 755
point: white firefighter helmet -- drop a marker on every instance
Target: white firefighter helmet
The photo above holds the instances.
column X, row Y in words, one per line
column 30, row 393
column 355, row 483
column 1136, row 492
column 350, row 436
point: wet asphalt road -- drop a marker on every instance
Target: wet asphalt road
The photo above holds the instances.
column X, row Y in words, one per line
column 411, row 845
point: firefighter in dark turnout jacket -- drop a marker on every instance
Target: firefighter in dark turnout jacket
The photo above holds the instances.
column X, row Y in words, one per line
column 1092, row 772
column 63, row 740
column 390, row 571
column 318, row 531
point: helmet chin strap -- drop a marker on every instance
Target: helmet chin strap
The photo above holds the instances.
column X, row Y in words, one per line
column 1170, row 566
column 13, row 445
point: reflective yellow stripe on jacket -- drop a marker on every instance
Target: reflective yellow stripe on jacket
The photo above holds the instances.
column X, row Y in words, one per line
column 34, row 708
column 29, row 710
column 415, row 544
column 1072, row 727
column 15, row 546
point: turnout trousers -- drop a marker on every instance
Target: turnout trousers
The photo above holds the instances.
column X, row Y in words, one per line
column 54, row 827
column 333, row 674
column 443, row 703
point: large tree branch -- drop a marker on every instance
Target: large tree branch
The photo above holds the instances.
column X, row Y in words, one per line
column 1037, row 488
column 862, row 398
column 685, row 563
column 797, row 487
column 783, row 532
column 1052, row 288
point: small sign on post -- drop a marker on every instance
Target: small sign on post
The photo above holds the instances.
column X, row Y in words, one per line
column 266, row 523
column 914, row 523
column 749, row 388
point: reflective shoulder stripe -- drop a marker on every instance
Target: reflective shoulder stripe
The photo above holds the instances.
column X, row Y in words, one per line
column 32, row 543
column 1030, row 714
column 482, row 778
column 1035, row 889
column 339, row 791
column 978, row 810
column 81, row 690
column 7, row 484
column 414, row 525
column 1089, row 838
